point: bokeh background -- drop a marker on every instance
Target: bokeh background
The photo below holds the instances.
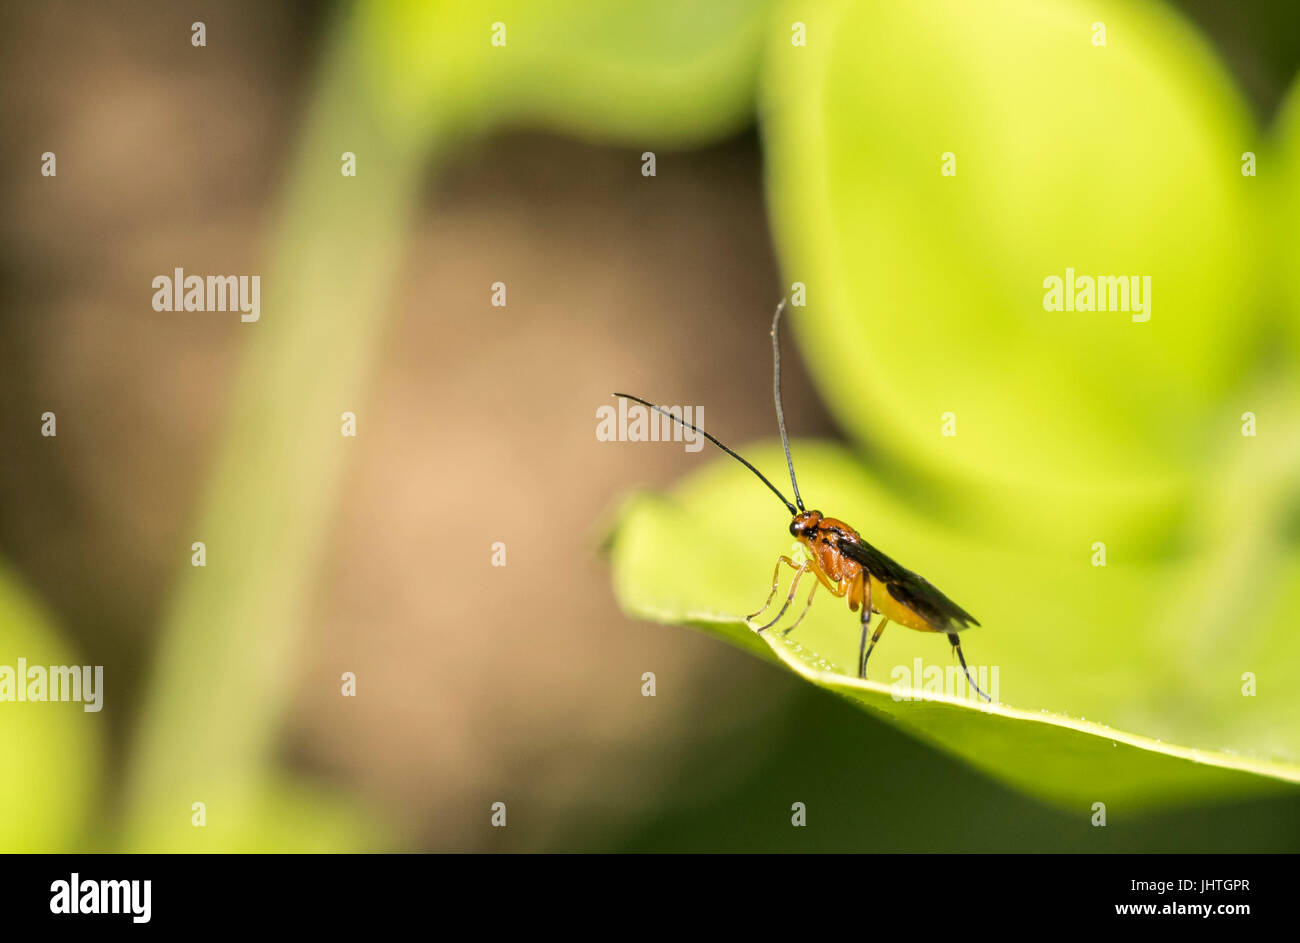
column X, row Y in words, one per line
column 476, row 684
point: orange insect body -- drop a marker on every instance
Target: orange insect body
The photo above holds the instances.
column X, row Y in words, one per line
column 844, row 577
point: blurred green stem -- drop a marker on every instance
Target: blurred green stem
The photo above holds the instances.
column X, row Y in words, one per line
column 225, row 668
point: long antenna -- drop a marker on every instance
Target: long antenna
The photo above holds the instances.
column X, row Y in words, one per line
column 691, row 426
column 776, row 394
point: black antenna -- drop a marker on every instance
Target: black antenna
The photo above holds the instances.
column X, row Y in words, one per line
column 776, row 394
column 679, row 419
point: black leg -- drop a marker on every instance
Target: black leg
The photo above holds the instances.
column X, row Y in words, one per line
column 956, row 645
column 862, row 672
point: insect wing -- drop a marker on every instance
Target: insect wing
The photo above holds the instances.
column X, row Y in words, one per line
column 911, row 589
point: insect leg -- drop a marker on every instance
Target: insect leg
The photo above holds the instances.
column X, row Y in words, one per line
column 806, row 607
column 776, row 581
column 956, row 646
column 862, row 645
column 884, row 621
column 798, row 575
column 866, row 621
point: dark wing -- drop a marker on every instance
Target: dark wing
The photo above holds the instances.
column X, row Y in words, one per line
column 911, row 589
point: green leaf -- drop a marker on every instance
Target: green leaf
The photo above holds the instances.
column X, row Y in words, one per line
column 1281, row 189
column 926, row 292
column 1093, row 706
column 286, row 814
column 671, row 73
column 50, row 760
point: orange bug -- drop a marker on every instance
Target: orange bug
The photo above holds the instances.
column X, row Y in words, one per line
column 849, row 567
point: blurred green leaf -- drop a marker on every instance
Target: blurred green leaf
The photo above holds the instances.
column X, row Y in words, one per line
column 926, row 291
column 671, row 73
column 50, row 760
column 284, row 815
column 1093, row 707
column 1281, row 188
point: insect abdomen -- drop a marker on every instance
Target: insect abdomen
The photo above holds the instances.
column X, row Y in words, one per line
column 884, row 603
